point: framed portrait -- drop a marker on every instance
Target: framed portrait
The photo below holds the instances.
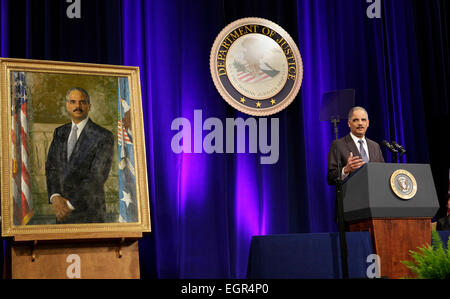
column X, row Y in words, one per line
column 73, row 149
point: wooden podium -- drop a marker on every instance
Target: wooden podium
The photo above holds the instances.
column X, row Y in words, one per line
column 396, row 224
column 95, row 256
column 393, row 238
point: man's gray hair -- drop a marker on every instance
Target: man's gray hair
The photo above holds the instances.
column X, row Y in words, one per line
column 350, row 113
column 80, row 90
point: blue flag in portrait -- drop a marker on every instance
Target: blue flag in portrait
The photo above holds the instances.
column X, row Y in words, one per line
column 127, row 180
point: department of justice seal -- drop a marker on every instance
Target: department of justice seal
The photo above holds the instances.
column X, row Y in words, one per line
column 403, row 184
column 256, row 66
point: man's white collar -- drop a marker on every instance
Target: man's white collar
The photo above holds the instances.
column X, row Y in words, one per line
column 355, row 139
column 81, row 124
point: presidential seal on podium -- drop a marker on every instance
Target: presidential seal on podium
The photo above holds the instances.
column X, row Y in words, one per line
column 403, row 184
column 256, row 66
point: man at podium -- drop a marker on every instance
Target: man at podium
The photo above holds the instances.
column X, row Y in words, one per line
column 353, row 150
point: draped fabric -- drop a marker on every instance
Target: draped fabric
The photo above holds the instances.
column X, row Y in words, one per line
column 433, row 33
column 206, row 207
column 223, row 200
column 4, row 28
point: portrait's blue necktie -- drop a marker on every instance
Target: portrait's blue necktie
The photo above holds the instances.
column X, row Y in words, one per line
column 362, row 151
column 72, row 142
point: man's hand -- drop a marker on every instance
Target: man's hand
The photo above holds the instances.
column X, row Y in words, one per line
column 353, row 163
column 60, row 207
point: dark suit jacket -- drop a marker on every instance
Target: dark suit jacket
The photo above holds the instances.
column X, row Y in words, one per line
column 443, row 223
column 345, row 146
column 81, row 179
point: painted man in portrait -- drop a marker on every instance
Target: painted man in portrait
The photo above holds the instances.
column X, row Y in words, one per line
column 78, row 164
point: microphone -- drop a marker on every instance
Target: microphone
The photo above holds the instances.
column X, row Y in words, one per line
column 398, row 147
column 389, row 146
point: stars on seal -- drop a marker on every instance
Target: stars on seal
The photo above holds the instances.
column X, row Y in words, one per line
column 257, row 103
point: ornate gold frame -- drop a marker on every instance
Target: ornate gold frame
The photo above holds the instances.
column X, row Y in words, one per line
column 8, row 65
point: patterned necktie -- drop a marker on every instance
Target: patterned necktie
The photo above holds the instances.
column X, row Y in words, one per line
column 362, row 151
column 72, row 141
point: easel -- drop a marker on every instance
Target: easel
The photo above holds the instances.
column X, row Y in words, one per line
column 109, row 255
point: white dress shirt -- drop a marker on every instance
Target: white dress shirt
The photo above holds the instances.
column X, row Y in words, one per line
column 355, row 140
column 80, row 126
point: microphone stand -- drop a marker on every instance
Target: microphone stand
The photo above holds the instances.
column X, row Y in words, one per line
column 399, row 150
column 395, row 158
column 340, row 207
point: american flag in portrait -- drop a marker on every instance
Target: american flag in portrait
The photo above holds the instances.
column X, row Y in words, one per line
column 22, row 196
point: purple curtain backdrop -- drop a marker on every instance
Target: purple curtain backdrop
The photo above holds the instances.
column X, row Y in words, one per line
column 206, row 208
column 4, row 29
column 217, row 200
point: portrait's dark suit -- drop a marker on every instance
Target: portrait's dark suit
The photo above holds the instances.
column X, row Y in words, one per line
column 345, row 146
column 81, row 179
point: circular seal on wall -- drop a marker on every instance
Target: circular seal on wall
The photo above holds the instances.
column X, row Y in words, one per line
column 256, row 66
column 403, row 184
